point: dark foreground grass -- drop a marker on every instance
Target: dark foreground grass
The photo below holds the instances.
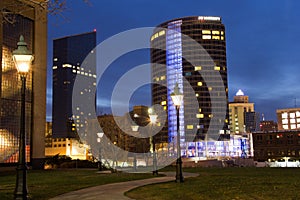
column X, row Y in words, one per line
column 228, row 183
column 45, row 184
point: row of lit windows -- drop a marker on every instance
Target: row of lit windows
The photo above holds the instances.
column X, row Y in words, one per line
column 158, row 34
column 217, row 68
column 292, row 121
column 213, row 32
column 59, row 139
column 70, row 66
column 212, row 37
column 291, row 115
column 84, row 73
column 293, row 126
column 160, row 78
column 190, row 126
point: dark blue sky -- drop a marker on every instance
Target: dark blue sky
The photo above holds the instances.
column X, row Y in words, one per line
column 263, row 41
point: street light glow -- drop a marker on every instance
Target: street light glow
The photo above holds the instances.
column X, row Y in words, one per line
column 177, row 96
column 22, row 57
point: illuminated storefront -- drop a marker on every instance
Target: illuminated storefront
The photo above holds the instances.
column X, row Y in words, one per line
column 237, row 146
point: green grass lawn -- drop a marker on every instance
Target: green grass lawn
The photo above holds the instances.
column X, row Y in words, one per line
column 45, row 184
column 228, row 183
column 212, row 183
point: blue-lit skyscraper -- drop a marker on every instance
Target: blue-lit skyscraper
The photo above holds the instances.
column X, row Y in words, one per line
column 192, row 52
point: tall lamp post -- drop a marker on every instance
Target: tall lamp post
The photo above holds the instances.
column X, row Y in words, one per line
column 177, row 98
column 100, row 135
column 153, row 118
column 22, row 58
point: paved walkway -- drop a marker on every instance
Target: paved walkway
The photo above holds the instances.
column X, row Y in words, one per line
column 116, row 191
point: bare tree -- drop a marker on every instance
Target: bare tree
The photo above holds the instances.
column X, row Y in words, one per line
column 9, row 9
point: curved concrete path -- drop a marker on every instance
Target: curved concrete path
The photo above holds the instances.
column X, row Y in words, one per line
column 116, row 191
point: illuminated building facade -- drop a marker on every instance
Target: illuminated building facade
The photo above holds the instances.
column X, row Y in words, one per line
column 32, row 24
column 68, row 56
column 241, row 113
column 169, row 53
column 288, row 119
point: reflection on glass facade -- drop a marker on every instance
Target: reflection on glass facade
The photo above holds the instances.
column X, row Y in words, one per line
column 10, row 104
column 205, row 78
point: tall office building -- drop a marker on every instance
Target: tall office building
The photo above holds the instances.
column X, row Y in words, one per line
column 191, row 51
column 30, row 20
column 241, row 114
column 69, row 53
column 252, row 122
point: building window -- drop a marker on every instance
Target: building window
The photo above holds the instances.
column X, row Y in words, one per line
column 217, row 68
column 292, row 115
column 189, row 126
column 163, row 103
column 285, row 126
column 206, row 32
column 198, row 68
column 188, row 73
column 200, row 116
column 206, row 37
column 284, row 115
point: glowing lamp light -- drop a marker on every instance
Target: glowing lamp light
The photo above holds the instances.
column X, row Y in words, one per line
column 100, row 135
column 134, row 128
column 152, row 115
column 177, row 96
column 22, row 57
column 153, row 118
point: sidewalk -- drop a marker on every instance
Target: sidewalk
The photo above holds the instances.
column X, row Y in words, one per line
column 116, row 190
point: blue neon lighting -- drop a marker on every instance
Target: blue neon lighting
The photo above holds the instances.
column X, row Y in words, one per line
column 174, row 74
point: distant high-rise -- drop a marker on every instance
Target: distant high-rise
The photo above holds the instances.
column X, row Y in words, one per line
column 172, row 50
column 68, row 56
column 241, row 114
column 252, row 121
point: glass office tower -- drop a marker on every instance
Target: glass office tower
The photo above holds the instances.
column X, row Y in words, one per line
column 69, row 54
column 192, row 52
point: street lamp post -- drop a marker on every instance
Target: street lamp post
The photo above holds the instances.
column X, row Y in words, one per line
column 22, row 58
column 153, row 118
column 100, row 135
column 177, row 98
